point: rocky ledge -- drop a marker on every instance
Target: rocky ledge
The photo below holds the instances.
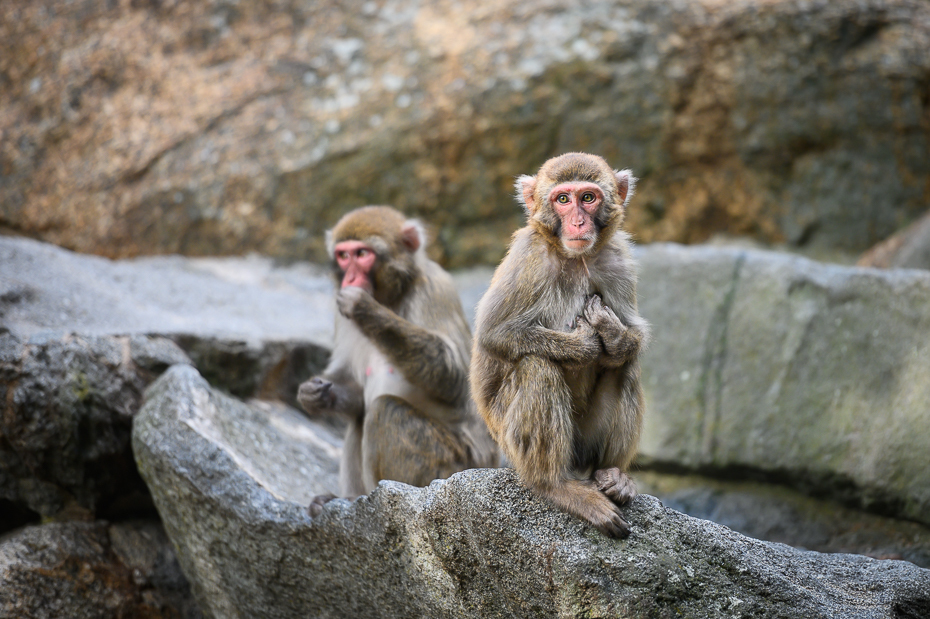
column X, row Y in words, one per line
column 477, row 544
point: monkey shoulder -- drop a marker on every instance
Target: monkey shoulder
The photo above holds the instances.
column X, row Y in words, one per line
column 529, row 268
column 435, row 304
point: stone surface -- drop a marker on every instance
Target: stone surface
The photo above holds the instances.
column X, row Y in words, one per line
column 777, row 366
column 252, row 328
column 214, row 127
column 478, row 544
column 66, row 408
column 908, row 249
column 46, row 289
column 84, row 570
column 777, row 513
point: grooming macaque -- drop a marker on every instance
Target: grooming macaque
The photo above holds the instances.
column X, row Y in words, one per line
column 399, row 368
column 554, row 368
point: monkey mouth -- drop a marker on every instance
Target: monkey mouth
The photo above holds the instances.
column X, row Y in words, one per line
column 577, row 243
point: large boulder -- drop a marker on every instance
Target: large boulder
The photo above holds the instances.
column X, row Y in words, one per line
column 476, row 545
column 215, row 127
column 46, row 289
column 780, row 513
column 93, row 570
column 66, row 408
column 791, row 370
column 253, row 328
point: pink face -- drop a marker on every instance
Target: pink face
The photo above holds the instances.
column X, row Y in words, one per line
column 576, row 203
column 355, row 260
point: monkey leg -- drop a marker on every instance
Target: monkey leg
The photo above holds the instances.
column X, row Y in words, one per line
column 401, row 444
column 539, row 437
column 611, row 430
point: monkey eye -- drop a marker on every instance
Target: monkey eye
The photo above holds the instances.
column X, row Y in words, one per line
column 342, row 255
column 562, row 198
column 362, row 252
column 588, row 197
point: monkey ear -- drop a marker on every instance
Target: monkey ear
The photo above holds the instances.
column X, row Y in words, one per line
column 525, row 187
column 412, row 235
column 626, row 184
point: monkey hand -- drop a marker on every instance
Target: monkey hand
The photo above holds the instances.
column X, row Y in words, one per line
column 601, row 317
column 588, row 343
column 349, row 298
column 316, row 395
column 620, row 342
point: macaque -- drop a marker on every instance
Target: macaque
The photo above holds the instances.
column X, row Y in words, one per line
column 554, row 368
column 399, row 367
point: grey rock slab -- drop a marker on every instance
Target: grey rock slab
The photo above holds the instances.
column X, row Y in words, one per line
column 66, row 407
column 85, row 570
column 778, row 513
column 44, row 289
column 814, row 374
column 253, row 328
column 476, row 545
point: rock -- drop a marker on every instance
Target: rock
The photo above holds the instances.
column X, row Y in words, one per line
column 211, row 128
column 252, row 328
column 272, row 370
column 785, row 369
column 908, row 249
column 101, row 570
column 67, row 406
column 777, row 513
column 477, row 544
column 46, row 289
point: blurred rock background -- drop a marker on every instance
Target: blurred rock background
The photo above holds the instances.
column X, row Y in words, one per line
column 788, row 399
column 147, row 127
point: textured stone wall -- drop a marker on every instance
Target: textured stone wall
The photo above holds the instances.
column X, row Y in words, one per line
column 217, row 127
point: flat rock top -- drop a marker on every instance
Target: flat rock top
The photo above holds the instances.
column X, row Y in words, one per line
column 46, row 289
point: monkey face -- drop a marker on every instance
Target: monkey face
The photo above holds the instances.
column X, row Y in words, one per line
column 576, row 203
column 356, row 260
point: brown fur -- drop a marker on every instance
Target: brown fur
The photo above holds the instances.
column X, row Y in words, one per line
column 555, row 369
column 399, row 369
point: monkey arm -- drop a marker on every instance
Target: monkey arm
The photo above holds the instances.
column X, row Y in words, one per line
column 514, row 339
column 424, row 357
column 620, row 347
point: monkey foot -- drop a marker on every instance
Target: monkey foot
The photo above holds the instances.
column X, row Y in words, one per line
column 612, row 525
column 316, row 505
column 617, row 485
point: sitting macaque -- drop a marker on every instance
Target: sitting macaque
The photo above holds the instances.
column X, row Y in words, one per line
column 555, row 369
column 399, row 367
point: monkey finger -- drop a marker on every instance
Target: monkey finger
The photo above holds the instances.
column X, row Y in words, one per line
column 594, row 310
column 616, row 527
column 322, row 385
column 316, row 505
column 616, row 485
column 347, row 299
column 315, row 393
column 612, row 315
